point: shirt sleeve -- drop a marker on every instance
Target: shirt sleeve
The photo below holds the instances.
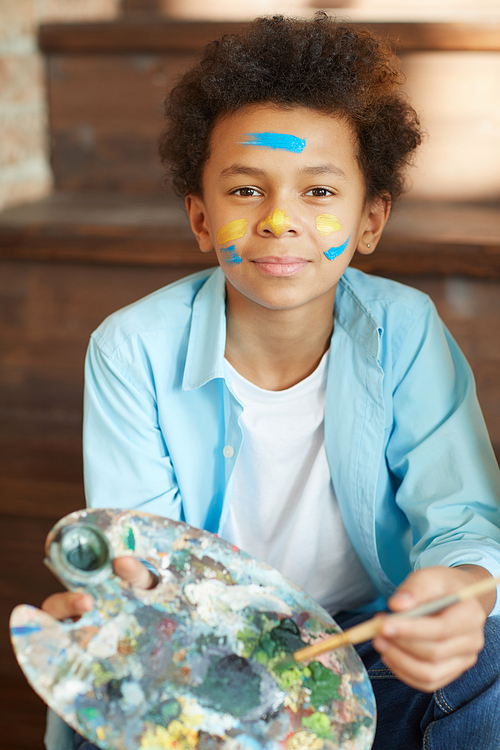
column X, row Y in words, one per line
column 126, row 462
column 447, row 478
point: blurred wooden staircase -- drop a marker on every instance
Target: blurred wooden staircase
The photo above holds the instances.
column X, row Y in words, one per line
column 109, row 235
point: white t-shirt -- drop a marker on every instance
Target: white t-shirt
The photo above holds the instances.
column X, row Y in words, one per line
column 284, row 510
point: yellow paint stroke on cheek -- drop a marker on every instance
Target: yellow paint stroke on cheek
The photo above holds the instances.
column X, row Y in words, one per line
column 327, row 224
column 278, row 222
column 232, row 231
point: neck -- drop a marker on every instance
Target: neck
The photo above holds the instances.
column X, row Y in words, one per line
column 275, row 349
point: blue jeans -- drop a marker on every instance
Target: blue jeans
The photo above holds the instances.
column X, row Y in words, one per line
column 464, row 715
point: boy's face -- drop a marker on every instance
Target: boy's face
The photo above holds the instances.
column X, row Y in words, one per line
column 284, row 206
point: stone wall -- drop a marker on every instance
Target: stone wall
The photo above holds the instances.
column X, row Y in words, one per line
column 24, row 165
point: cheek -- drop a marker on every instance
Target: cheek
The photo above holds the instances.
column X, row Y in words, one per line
column 230, row 256
column 335, row 251
column 328, row 224
column 232, row 231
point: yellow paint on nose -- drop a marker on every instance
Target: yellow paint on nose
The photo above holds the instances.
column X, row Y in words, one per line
column 278, row 222
column 232, row 231
column 327, row 224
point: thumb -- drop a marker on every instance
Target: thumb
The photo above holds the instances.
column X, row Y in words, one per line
column 424, row 585
column 131, row 570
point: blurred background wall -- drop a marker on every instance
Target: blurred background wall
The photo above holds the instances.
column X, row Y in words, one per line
column 458, row 93
column 87, row 228
column 24, row 165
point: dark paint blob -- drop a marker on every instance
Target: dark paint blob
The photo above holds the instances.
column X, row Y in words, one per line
column 113, row 689
column 284, row 637
column 230, row 685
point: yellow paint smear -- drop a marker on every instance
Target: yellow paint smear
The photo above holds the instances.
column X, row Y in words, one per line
column 327, row 224
column 278, row 222
column 232, row 231
column 304, row 740
column 101, row 734
column 175, row 736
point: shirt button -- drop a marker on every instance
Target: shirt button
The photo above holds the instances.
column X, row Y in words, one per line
column 228, row 451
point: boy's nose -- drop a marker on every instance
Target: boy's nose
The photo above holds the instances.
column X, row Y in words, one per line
column 276, row 223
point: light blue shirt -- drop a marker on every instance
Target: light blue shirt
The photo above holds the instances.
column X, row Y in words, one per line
column 412, row 467
column 410, row 459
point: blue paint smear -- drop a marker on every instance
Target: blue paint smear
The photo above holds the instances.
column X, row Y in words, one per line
column 276, row 140
column 233, row 256
column 334, row 252
column 25, row 630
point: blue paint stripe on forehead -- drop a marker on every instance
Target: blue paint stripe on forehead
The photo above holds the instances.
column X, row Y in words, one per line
column 276, row 140
column 334, row 252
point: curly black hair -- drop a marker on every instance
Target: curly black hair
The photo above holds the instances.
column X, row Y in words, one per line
column 322, row 64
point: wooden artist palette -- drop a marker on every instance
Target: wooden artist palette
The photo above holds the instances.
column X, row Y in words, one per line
column 196, row 662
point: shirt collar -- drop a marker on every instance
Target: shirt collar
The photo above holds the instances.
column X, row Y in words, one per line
column 356, row 318
column 207, row 337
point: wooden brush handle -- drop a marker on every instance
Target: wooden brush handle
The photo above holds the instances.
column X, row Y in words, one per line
column 369, row 629
column 359, row 633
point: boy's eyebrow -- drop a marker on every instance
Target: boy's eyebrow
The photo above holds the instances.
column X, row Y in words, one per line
column 324, row 169
column 236, row 169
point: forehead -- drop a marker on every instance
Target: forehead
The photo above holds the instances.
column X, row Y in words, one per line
column 292, row 136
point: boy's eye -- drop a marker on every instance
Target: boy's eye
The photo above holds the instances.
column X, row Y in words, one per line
column 246, row 192
column 320, row 192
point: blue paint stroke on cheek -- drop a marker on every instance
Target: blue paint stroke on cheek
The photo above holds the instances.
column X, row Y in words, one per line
column 232, row 256
column 276, row 140
column 334, row 252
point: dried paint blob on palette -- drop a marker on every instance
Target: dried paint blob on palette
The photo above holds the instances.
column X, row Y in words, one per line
column 198, row 661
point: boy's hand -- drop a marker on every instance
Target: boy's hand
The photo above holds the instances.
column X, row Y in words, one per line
column 430, row 652
column 74, row 604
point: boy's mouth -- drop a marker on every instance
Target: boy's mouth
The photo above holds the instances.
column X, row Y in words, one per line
column 274, row 265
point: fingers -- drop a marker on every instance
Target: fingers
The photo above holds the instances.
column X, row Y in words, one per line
column 423, row 675
column 68, row 604
column 429, row 652
column 134, row 572
column 462, row 620
column 71, row 604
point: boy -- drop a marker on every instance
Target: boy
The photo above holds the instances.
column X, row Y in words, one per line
column 319, row 419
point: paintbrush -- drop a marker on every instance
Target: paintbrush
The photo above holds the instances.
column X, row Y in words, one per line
column 368, row 630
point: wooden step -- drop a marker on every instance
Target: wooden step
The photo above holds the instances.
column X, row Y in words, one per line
column 420, row 238
column 154, row 34
column 107, row 82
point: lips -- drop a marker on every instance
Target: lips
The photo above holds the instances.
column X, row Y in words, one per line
column 274, row 265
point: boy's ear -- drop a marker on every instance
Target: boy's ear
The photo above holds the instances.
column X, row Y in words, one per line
column 199, row 224
column 376, row 219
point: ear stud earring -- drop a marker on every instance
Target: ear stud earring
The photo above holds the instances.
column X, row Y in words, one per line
column 368, row 244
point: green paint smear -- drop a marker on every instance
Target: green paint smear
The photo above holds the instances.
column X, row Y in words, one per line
column 100, row 674
column 291, row 677
column 230, row 685
column 324, row 684
column 318, row 723
column 283, row 639
column 128, row 538
column 164, row 713
column 249, row 640
column 179, row 559
column 87, row 714
column 276, row 643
